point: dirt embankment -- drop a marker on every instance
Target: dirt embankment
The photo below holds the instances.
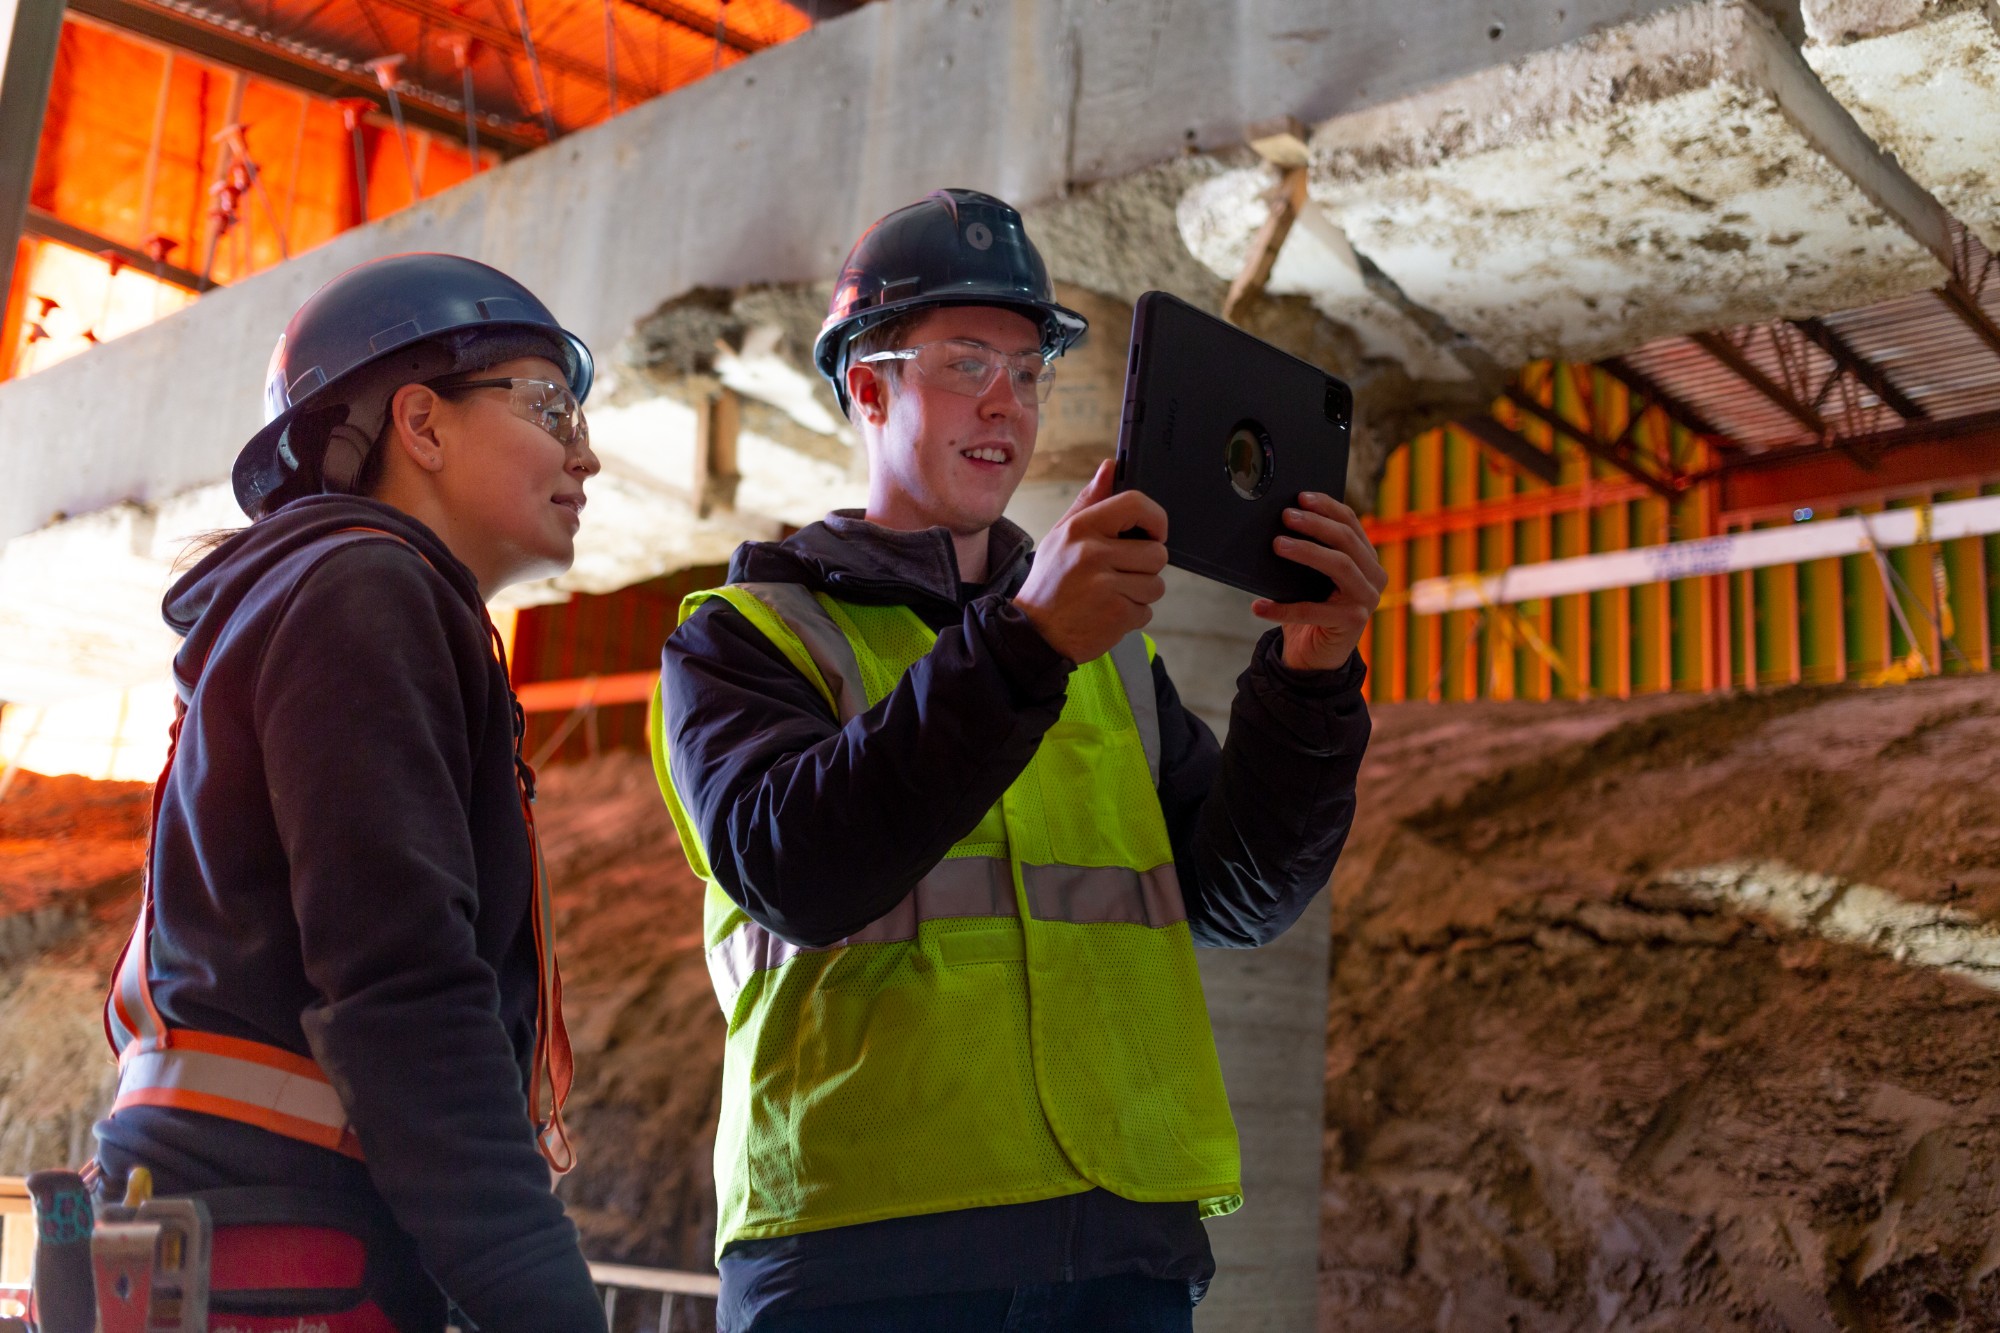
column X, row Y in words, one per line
column 1671, row 1015
column 70, row 851
column 642, row 1018
column 1675, row 1014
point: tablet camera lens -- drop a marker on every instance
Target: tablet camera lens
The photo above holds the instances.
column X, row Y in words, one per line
column 1248, row 459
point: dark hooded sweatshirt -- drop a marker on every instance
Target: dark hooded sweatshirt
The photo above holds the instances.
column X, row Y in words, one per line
column 816, row 829
column 341, row 869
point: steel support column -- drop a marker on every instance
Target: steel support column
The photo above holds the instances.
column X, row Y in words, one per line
column 30, row 31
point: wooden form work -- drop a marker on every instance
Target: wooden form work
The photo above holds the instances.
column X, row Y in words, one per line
column 1450, row 506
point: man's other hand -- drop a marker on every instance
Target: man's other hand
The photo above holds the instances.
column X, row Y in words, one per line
column 1326, row 535
column 1091, row 587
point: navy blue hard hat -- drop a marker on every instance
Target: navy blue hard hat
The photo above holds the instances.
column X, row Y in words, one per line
column 361, row 319
column 951, row 247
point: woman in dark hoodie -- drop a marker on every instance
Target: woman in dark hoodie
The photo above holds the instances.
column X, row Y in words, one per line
column 339, row 1018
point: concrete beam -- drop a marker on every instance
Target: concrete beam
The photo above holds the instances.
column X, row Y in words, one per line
column 1923, row 79
column 1684, row 171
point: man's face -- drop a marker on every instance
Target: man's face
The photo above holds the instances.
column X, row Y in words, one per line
column 939, row 458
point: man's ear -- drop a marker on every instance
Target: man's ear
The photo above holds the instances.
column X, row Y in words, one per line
column 414, row 414
column 869, row 393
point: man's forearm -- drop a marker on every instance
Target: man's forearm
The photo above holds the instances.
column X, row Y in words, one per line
column 816, row 828
column 1259, row 827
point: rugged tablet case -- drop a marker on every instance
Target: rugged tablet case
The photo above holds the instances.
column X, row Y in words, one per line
column 1200, row 395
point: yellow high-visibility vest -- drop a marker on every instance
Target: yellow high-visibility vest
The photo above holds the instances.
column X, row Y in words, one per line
column 1027, row 1023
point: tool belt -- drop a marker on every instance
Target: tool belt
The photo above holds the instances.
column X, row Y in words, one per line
column 300, row 1261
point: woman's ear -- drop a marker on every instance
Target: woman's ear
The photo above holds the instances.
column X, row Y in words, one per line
column 415, row 413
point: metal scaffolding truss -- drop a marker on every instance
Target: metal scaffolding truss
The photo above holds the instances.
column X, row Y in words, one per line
column 506, row 56
column 1859, row 382
column 215, row 35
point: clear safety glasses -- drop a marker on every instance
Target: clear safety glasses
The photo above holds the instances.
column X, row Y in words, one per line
column 960, row 366
column 548, row 404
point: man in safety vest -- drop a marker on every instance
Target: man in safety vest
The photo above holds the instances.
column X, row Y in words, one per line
column 961, row 837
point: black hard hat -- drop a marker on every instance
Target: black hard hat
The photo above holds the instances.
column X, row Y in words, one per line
column 951, row 247
column 363, row 318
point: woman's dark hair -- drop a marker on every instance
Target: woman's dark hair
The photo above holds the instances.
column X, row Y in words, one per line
column 196, row 548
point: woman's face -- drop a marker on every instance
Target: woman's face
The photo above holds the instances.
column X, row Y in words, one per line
column 511, row 492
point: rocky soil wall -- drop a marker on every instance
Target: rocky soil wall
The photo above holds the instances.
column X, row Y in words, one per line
column 1670, row 1015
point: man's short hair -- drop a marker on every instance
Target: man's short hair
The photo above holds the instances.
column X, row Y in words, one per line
column 888, row 336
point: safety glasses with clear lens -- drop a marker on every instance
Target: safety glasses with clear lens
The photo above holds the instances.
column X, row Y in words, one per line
column 958, row 365
column 548, row 404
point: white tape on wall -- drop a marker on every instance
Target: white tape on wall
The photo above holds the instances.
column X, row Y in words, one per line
column 1815, row 540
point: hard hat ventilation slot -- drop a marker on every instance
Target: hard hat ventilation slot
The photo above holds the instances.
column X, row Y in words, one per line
column 388, row 339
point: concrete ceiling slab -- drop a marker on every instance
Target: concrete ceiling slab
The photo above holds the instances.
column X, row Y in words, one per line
column 1676, row 171
column 1923, row 79
column 1681, row 172
column 765, row 173
column 1218, row 218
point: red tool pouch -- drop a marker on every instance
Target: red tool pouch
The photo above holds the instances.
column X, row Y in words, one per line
column 308, row 1261
column 291, row 1279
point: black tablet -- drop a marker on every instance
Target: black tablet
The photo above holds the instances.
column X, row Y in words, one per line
column 1224, row 431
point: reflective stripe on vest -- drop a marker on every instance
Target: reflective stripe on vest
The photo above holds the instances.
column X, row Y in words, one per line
column 245, row 1081
column 1026, row 1023
column 970, row 886
column 278, row 1090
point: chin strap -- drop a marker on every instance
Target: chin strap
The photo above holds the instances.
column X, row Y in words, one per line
column 347, row 449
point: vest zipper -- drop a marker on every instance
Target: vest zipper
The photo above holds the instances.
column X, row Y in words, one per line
column 1070, row 1220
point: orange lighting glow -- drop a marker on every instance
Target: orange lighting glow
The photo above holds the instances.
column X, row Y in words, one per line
column 120, row 737
column 76, row 300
